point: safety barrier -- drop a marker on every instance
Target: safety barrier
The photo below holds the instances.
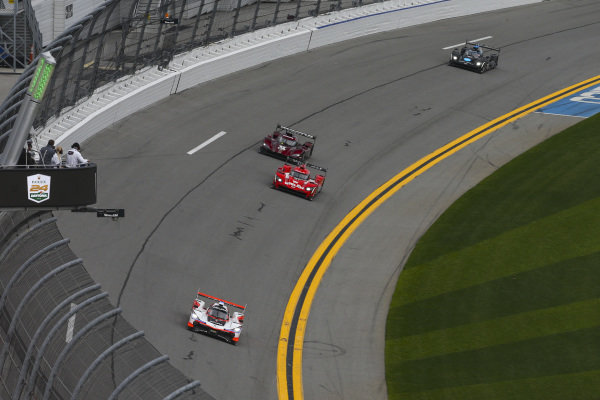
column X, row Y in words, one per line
column 61, row 336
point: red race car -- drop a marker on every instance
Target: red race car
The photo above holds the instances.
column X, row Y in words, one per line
column 297, row 178
column 284, row 142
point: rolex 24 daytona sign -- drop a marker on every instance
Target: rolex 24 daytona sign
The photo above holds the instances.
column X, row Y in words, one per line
column 38, row 188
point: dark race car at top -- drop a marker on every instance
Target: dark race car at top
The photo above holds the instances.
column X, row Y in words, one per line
column 475, row 56
column 297, row 179
column 285, row 142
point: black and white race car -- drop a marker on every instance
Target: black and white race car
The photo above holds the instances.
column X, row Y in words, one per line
column 474, row 56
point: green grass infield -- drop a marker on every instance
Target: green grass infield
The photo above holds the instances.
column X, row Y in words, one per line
column 500, row 299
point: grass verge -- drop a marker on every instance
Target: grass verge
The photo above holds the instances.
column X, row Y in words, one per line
column 500, row 299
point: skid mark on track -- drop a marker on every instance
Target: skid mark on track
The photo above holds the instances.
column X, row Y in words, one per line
column 241, row 229
column 169, row 211
column 238, row 233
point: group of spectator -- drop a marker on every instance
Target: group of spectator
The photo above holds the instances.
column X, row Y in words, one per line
column 52, row 156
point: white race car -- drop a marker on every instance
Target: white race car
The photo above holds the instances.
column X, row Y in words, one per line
column 215, row 319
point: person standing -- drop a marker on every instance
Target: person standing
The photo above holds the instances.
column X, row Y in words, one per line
column 47, row 152
column 26, row 158
column 57, row 157
column 74, row 157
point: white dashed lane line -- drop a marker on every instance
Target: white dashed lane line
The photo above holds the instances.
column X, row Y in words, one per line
column 204, row 144
column 472, row 40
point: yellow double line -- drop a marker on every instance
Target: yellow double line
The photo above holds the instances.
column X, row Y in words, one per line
column 291, row 337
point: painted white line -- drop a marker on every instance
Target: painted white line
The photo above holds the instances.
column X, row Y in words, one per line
column 71, row 325
column 209, row 141
column 562, row 115
column 472, row 40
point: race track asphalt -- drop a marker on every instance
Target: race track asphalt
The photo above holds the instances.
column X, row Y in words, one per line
column 211, row 221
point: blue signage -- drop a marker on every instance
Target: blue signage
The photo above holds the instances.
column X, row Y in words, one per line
column 582, row 104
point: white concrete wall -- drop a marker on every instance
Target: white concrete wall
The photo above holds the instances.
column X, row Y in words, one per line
column 127, row 105
column 214, row 68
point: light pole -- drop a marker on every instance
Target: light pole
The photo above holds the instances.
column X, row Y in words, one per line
column 33, row 97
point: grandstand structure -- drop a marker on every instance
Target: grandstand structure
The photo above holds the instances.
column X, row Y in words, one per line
column 20, row 37
column 43, row 284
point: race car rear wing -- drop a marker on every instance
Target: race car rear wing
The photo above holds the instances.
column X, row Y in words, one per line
column 200, row 294
column 483, row 46
column 295, row 132
column 316, row 167
column 290, row 160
